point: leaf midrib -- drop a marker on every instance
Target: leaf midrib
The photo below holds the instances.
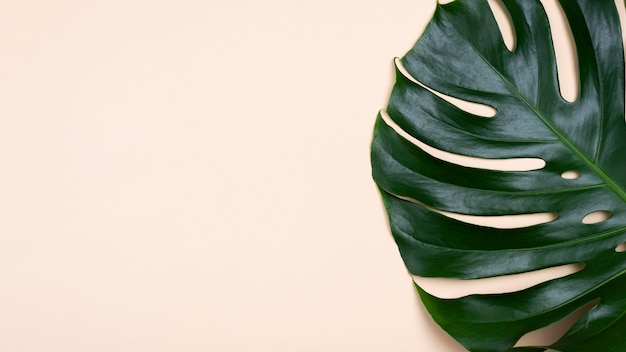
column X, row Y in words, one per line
column 619, row 191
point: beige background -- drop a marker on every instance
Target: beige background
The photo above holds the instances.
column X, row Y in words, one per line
column 194, row 176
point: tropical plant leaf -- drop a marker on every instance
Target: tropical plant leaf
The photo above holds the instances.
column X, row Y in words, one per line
column 462, row 54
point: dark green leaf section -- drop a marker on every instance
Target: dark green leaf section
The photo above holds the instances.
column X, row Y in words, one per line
column 433, row 245
column 462, row 54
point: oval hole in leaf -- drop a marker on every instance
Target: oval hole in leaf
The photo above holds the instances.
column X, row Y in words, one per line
column 565, row 50
column 597, row 217
column 552, row 333
column 570, row 175
column 513, row 164
column 456, row 288
column 621, row 248
column 467, row 106
column 504, row 23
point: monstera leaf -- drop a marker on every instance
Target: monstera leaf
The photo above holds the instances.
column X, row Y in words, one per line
column 462, row 54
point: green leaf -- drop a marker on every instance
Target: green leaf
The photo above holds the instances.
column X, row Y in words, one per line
column 462, row 54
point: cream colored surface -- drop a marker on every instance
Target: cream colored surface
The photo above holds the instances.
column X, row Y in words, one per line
column 194, row 176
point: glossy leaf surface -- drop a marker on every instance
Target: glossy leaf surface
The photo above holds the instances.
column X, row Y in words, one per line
column 462, row 54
